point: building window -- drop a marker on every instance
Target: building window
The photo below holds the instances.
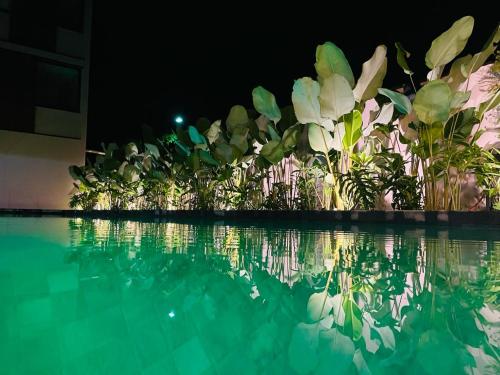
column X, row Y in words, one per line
column 33, row 23
column 5, row 5
column 57, row 87
column 17, row 72
column 4, row 19
column 70, row 15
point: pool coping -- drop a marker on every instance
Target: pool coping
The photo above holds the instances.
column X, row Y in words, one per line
column 357, row 216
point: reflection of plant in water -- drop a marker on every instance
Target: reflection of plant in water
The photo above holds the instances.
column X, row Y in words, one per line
column 311, row 301
column 382, row 318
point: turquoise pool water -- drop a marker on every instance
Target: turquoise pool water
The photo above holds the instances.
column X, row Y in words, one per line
column 121, row 297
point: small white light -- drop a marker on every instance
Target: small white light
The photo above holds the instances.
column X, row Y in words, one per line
column 178, row 120
column 171, row 314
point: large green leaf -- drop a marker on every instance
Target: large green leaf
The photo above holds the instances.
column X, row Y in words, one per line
column 338, row 136
column 273, row 133
column 303, row 149
column 449, row 44
column 239, row 139
column 121, row 168
column 258, row 128
column 213, row 132
column 460, row 125
column 352, row 123
column 406, row 130
column 131, row 173
column 336, row 354
column 110, row 164
column 195, row 136
column 488, row 105
column 273, row 151
column 110, row 150
column 459, row 98
column 479, row 58
column 183, row 135
column 430, row 133
column 402, row 55
column 336, row 97
column 265, row 103
column 194, row 160
column 77, row 173
column 291, row 137
column 262, row 125
column 383, row 118
column 329, row 60
column 319, row 306
column 152, row 150
column 433, row 102
column 147, row 163
column 225, row 153
column 320, row 139
column 353, row 324
column 305, row 99
column 182, row 148
column 458, row 71
column 131, row 150
column 237, row 117
column 207, row 158
column 372, row 75
column 400, row 101
column 385, row 115
column 435, row 73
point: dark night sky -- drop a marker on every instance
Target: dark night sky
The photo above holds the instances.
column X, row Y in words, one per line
column 150, row 62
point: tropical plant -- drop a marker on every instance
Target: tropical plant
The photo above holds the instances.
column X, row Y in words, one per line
column 360, row 183
column 406, row 189
column 441, row 131
column 341, row 144
column 306, row 184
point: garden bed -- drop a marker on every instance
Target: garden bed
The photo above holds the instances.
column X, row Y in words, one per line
column 341, row 144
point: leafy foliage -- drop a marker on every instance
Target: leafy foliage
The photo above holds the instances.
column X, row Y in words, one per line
column 327, row 150
column 361, row 187
column 406, row 190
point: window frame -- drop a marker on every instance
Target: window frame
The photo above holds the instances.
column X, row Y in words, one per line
column 78, row 69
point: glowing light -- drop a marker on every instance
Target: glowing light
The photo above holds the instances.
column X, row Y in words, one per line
column 171, row 314
column 178, row 119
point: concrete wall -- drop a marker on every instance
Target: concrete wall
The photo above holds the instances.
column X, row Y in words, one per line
column 34, row 169
column 55, row 122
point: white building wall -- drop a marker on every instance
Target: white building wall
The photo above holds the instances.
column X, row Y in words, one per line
column 34, row 167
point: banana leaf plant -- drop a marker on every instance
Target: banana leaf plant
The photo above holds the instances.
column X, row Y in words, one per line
column 331, row 110
column 439, row 128
column 343, row 143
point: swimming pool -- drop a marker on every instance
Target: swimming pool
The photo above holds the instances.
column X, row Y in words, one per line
column 97, row 296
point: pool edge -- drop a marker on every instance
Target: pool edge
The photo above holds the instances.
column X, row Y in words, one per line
column 389, row 217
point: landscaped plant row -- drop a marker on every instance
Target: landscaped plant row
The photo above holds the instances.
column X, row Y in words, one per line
column 342, row 144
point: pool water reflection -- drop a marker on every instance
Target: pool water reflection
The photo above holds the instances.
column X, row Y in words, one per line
column 96, row 296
